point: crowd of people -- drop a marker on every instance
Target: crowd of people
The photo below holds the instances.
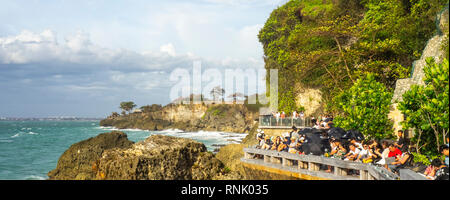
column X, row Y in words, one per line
column 393, row 155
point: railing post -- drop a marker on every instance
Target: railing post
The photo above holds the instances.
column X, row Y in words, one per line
column 284, row 162
column 312, row 166
column 363, row 175
column 246, row 155
column 339, row 171
column 266, row 158
column 301, row 165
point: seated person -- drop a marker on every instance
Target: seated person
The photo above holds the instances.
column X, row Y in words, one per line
column 394, row 153
column 284, row 146
column 267, row 143
column 293, row 145
column 338, row 151
column 365, row 155
column 276, row 143
column 437, row 170
column 402, row 160
column 357, row 144
column 385, row 153
column 353, row 153
column 260, row 138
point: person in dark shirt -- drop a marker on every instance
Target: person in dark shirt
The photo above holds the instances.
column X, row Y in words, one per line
column 402, row 143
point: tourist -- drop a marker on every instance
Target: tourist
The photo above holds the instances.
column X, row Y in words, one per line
column 313, row 121
column 267, row 143
column 394, row 151
column 302, row 115
column 357, row 143
column 385, row 153
column 293, row 131
column 294, row 115
column 442, row 173
column 431, row 171
column 284, row 146
column 352, row 154
column 293, row 145
column 365, row 155
column 401, row 142
column 317, row 125
column 403, row 160
column 260, row 138
column 276, row 143
column 444, row 150
column 277, row 116
column 394, row 154
column 376, row 150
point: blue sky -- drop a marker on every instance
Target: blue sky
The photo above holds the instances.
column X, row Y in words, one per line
column 82, row 58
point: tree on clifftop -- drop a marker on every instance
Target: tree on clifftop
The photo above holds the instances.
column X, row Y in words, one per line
column 127, row 106
column 217, row 92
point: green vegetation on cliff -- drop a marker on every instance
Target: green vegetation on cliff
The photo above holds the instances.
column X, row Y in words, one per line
column 329, row 44
column 365, row 108
column 427, row 108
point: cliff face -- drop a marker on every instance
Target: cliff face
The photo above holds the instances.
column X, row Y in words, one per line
column 222, row 117
column 432, row 49
column 111, row 156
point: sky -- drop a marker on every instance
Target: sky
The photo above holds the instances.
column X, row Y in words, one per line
column 83, row 57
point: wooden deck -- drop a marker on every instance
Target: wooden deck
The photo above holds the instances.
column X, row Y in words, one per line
column 308, row 167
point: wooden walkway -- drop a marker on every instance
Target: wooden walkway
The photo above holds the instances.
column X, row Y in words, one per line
column 309, row 167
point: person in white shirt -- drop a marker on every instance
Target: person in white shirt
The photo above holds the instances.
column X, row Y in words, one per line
column 357, row 144
column 365, row 153
column 294, row 115
column 278, row 117
column 353, row 153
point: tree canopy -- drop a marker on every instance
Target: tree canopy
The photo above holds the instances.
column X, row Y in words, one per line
column 329, row 44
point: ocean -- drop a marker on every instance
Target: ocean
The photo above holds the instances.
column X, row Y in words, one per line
column 30, row 149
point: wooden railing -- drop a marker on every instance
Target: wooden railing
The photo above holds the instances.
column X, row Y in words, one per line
column 287, row 122
column 310, row 165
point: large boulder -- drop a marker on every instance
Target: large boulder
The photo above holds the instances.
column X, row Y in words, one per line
column 160, row 158
column 78, row 162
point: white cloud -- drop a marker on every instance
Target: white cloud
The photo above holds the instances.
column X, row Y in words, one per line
column 169, row 49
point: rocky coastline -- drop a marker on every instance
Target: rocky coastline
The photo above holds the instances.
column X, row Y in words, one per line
column 236, row 118
column 111, row 156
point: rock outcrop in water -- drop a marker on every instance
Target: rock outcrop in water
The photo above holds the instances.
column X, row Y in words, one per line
column 156, row 158
column 76, row 163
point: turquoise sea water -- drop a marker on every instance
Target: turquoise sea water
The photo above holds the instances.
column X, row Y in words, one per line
column 30, row 149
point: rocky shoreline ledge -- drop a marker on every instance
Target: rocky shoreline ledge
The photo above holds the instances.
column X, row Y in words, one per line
column 111, row 156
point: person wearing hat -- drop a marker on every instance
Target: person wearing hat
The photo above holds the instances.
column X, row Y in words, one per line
column 267, row 143
column 260, row 137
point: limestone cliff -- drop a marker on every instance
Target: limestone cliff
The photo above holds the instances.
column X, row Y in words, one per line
column 432, row 49
column 193, row 117
column 110, row 156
